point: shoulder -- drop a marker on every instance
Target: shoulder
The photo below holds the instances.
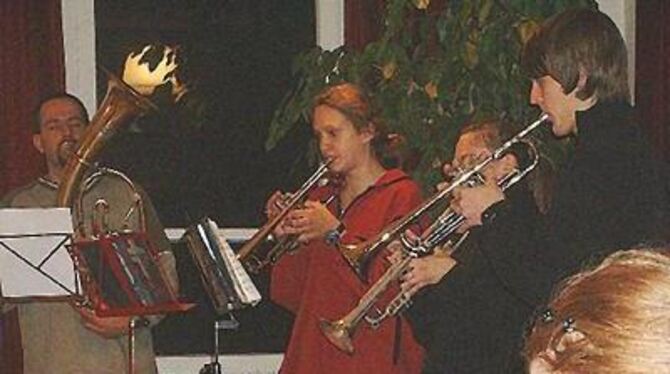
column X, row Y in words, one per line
column 36, row 193
column 398, row 181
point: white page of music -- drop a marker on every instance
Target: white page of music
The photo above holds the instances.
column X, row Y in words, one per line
column 34, row 233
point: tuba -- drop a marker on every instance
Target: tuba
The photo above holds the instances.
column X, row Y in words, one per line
column 138, row 285
column 442, row 230
column 120, row 105
column 120, row 270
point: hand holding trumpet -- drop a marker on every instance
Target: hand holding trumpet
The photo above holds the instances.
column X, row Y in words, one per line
column 273, row 207
column 422, row 271
column 309, row 222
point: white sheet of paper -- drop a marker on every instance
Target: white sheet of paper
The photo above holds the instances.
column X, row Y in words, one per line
column 243, row 284
column 18, row 279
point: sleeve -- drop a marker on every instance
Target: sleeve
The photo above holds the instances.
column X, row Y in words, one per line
column 602, row 205
column 511, row 245
column 288, row 278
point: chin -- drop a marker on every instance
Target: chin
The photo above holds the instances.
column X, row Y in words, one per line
column 559, row 132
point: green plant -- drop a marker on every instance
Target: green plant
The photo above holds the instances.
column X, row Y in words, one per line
column 436, row 67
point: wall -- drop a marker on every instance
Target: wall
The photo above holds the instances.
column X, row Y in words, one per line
column 79, row 43
column 622, row 13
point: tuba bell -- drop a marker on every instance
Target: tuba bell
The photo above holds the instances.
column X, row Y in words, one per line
column 120, row 105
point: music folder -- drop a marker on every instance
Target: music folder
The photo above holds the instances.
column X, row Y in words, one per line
column 34, row 261
column 224, row 278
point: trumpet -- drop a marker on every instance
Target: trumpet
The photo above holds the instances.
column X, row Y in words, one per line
column 358, row 256
column 340, row 332
column 250, row 254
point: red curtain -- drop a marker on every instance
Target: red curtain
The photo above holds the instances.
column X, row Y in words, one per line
column 362, row 22
column 652, row 72
column 31, row 66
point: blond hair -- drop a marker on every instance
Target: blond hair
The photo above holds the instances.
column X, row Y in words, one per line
column 614, row 318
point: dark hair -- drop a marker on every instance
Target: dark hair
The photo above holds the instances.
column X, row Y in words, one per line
column 355, row 104
column 580, row 39
column 37, row 119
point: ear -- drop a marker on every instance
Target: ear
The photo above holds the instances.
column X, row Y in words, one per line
column 570, row 338
column 583, row 77
column 37, row 143
column 368, row 133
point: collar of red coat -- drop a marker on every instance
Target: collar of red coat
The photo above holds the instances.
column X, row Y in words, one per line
column 388, row 178
column 391, row 176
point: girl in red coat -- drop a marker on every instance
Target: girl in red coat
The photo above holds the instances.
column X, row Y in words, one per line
column 316, row 282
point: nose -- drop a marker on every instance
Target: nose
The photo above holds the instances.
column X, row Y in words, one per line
column 535, row 94
column 65, row 131
column 324, row 146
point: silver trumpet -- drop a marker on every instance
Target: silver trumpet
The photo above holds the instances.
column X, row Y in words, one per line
column 441, row 231
column 358, row 256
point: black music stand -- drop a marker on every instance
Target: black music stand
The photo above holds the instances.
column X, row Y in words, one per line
column 221, row 324
column 224, row 278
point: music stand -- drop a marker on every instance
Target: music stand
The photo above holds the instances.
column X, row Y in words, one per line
column 123, row 277
column 227, row 283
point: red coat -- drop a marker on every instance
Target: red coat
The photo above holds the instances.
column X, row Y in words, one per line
column 316, row 282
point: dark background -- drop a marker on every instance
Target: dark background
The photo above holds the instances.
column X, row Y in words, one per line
column 205, row 155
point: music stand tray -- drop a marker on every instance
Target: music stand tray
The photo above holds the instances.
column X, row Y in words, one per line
column 125, row 276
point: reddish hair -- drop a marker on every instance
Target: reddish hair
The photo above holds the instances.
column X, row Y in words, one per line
column 614, row 318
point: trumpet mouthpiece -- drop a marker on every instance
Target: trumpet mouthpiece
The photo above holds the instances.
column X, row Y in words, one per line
column 337, row 334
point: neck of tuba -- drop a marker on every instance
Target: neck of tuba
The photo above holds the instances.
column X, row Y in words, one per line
column 120, row 105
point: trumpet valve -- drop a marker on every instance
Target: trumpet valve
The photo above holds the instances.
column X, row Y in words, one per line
column 338, row 334
column 253, row 264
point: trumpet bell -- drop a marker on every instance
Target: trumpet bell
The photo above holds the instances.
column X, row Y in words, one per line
column 337, row 333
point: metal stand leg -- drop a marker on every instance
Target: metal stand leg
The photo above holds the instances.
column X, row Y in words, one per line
column 131, row 344
column 214, row 367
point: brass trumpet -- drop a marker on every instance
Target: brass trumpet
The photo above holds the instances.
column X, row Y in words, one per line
column 250, row 254
column 358, row 256
column 340, row 332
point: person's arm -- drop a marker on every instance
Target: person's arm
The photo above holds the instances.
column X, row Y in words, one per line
column 426, row 271
column 288, row 277
column 512, row 242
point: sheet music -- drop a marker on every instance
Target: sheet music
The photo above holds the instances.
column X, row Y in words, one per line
column 243, row 284
column 34, row 233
